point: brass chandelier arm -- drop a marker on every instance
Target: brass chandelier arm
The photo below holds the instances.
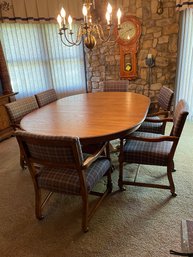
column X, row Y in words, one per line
column 68, row 45
column 100, row 33
column 69, row 42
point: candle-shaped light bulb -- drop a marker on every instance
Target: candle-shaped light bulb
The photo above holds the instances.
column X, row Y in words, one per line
column 63, row 14
column 109, row 8
column 70, row 22
column 84, row 11
column 119, row 16
column 108, row 18
column 59, row 20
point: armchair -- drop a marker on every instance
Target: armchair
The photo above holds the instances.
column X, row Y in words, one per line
column 153, row 149
column 16, row 111
column 57, row 164
column 115, row 86
column 46, row 97
column 158, row 110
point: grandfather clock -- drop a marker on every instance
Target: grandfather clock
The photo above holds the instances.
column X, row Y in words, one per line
column 128, row 39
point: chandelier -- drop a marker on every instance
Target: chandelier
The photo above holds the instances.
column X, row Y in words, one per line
column 88, row 30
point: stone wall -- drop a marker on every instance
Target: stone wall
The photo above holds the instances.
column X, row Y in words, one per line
column 159, row 37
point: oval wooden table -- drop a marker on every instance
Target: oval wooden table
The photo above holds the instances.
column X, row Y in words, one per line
column 93, row 117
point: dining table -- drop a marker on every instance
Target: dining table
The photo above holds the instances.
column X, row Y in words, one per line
column 92, row 117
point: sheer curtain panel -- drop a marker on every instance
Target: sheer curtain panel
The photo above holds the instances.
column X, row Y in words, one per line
column 37, row 60
column 184, row 78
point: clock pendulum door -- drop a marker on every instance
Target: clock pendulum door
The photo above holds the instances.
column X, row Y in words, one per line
column 128, row 62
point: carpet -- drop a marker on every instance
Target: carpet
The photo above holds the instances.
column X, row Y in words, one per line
column 139, row 222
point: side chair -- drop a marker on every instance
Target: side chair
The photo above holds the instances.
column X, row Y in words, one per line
column 160, row 109
column 46, row 97
column 57, row 164
column 115, row 85
column 153, row 149
column 16, row 111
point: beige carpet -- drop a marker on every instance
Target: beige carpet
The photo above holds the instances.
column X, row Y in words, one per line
column 139, row 222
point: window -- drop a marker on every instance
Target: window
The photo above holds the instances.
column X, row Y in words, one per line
column 37, row 60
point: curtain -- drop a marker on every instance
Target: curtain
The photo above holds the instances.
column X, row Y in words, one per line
column 38, row 9
column 5, row 83
column 184, row 78
column 183, row 4
column 37, row 60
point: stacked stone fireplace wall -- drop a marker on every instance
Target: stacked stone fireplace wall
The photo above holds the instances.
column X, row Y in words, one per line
column 159, row 37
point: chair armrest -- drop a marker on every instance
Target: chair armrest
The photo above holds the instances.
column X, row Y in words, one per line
column 160, row 120
column 90, row 159
column 158, row 113
column 154, row 102
column 16, row 126
column 154, row 107
column 153, row 139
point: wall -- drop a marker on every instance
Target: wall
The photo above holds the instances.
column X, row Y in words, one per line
column 159, row 37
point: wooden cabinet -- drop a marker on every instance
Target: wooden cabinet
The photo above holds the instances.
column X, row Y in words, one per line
column 5, row 128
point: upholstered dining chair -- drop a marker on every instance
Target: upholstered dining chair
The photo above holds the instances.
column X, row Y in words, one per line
column 63, row 168
column 115, row 85
column 153, row 149
column 17, row 110
column 46, row 97
column 160, row 109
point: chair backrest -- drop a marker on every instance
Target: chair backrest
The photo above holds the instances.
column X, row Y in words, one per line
column 165, row 98
column 50, row 151
column 179, row 118
column 46, row 97
column 18, row 109
column 115, row 86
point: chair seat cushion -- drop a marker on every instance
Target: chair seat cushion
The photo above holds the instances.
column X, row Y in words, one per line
column 151, row 153
column 152, row 127
column 67, row 180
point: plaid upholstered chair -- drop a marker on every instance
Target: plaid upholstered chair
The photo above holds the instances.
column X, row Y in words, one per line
column 63, row 168
column 115, row 86
column 158, row 111
column 46, row 97
column 153, row 149
column 17, row 110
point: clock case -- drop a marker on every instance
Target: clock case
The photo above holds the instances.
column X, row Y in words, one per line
column 128, row 50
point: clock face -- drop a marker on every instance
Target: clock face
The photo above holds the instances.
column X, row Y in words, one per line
column 128, row 30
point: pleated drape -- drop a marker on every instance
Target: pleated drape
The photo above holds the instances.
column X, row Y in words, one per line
column 184, row 79
column 30, row 10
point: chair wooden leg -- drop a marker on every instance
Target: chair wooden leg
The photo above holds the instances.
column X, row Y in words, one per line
column 120, row 181
column 38, row 208
column 85, row 213
column 22, row 162
column 88, row 211
column 170, row 178
column 173, row 169
column 109, row 180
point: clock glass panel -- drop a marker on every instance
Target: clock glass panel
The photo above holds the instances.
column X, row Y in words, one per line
column 127, row 31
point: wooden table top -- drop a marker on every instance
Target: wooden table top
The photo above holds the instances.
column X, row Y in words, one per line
column 93, row 117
